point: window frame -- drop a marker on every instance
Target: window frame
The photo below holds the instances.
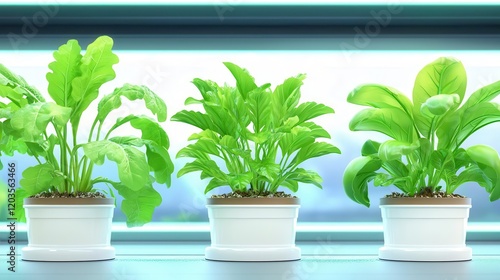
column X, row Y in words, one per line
column 259, row 27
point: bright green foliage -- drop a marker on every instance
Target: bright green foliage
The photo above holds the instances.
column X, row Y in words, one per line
column 426, row 136
column 48, row 131
column 253, row 137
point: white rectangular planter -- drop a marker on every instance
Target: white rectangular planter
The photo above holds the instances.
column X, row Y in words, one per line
column 425, row 229
column 252, row 229
column 68, row 229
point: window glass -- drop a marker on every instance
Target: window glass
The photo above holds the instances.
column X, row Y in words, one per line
column 331, row 75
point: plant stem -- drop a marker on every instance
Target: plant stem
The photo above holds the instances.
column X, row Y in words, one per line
column 63, row 153
column 433, row 146
column 92, row 130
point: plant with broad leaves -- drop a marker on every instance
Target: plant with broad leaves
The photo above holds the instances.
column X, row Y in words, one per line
column 49, row 132
column 427, row 134
column 260, row 136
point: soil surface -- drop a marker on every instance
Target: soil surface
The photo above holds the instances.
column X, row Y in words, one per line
column 238, row 194
column 426, row 192
column 69, row 195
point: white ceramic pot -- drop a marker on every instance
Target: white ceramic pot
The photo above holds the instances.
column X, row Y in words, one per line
column 425, row 229
column 68, row 229
column 252, row 229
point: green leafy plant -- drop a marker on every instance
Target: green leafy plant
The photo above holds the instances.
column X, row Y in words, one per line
column 259, row 136
column 66, row 156
column 427, row 134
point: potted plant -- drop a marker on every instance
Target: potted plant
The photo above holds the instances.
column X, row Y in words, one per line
column 424, row 160
column 253, row 139
column 68, row 218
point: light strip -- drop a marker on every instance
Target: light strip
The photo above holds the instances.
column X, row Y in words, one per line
column 246, row 2
column 301, row 227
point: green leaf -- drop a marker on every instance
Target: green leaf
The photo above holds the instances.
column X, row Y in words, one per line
column 259, row 138
column 38, row 178
column 472, row 174
column 289, row 143
column 215, row 183
column 236, row 108
column 223, row 121
column 65, row 69
column 157, row 156
column 291, row 122
column 315, row 130
column 425, row 149
column 96, row 69
column 379, row 96
column 484, row 94
column 19, row 85
column 393, row 150
column 290, row 184
column 357, row 174
column 199, row 149
column 239, row 181
column 123, row 120
column 151, row 130
column 259, row 105
column 112, row 101
column 476, row 117
column 16, row 99
column 205, row 134
column 10, row 144
column 197, row 119
column 488, row 161
column 316, row 149
column 138, row 206
column 267, row 168
column 6, row 110
column 20, row 213
column 392, row 122
column 397, row 169
column 191, row 152
column 285, row 98
column 191, row 101
column 127, row 140
column 443, row 161
column 160, row 162
column 208, row 168
column 382, row 179
column 443, row 76
column 132, row 166
column 208, row 90
column 311, row 110
column 370, row 147
column 457, row 127
column 244, row 81
column 461, row 158
column 228, row 142
column 439, row 104
column 306, row 176
column 33, row 119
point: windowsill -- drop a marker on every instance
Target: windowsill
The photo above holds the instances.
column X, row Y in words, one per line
column 321, row 260
column 305, row 232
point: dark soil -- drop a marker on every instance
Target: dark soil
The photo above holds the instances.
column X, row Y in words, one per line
column 69, row 195
column 426, row 192
column 251, row 193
